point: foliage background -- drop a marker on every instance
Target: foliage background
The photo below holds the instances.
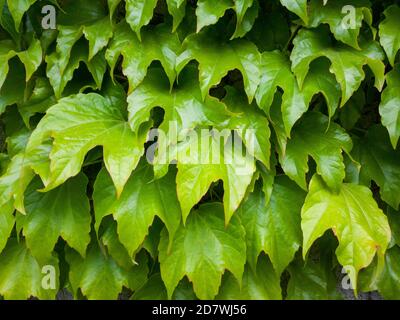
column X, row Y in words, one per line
column 322, row 186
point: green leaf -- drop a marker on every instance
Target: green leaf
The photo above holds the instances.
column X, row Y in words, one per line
column 208, row 12
column 139, row 13
column 263, row 284
column 388, row 35
column 158, row 44
column 299, row 7
column 324, row 142
column 31, row 58
column 206, row 48
column 21, row 275
column 346, row 63
column 202, row 251
column 360, row 226
column 183, row 105
column 98, row 34
column 63, row 212
column 98, row 276
column 204, row 159
column 142, row 199
column 7, row 222
column 344, row 21
column 389, row 281
column 379, row 162
column 310, row 282
column 273, row 227
column 389, row 109
column 81, row 122
column 250, row 123
column 177, row 9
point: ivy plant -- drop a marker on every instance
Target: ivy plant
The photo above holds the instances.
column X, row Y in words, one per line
column 100, row 198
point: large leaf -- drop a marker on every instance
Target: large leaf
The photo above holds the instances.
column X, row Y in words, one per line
column 205, row 159
column 346, row 63
column 184, row 106
column 81, row 122
column 63, row 212
column 202, row 251
column 360, row 226
column 142, row 199
column 313, row 136
column 273, row 227
column 158, row 44
column 206, row 48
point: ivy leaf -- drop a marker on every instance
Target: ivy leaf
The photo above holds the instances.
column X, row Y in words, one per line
column 158, row 44
column 21, row 275
column 360, row 226
column 202, row 251
column 324, row 142
column 334, row 14
column 275, row 72
column 206, row 48
column 139, row 13
column 263, row 284
column 388, row 35
column 273, row 227
column 379, row 162
column 388, row 281
column 98, row 276
column 299, row 7
column 61, row 212
column 202, row 160
column 142, row 199
column 346, row 63
column 389, row 109
column 79, row 123
column 310, row 282
column 183, row 105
